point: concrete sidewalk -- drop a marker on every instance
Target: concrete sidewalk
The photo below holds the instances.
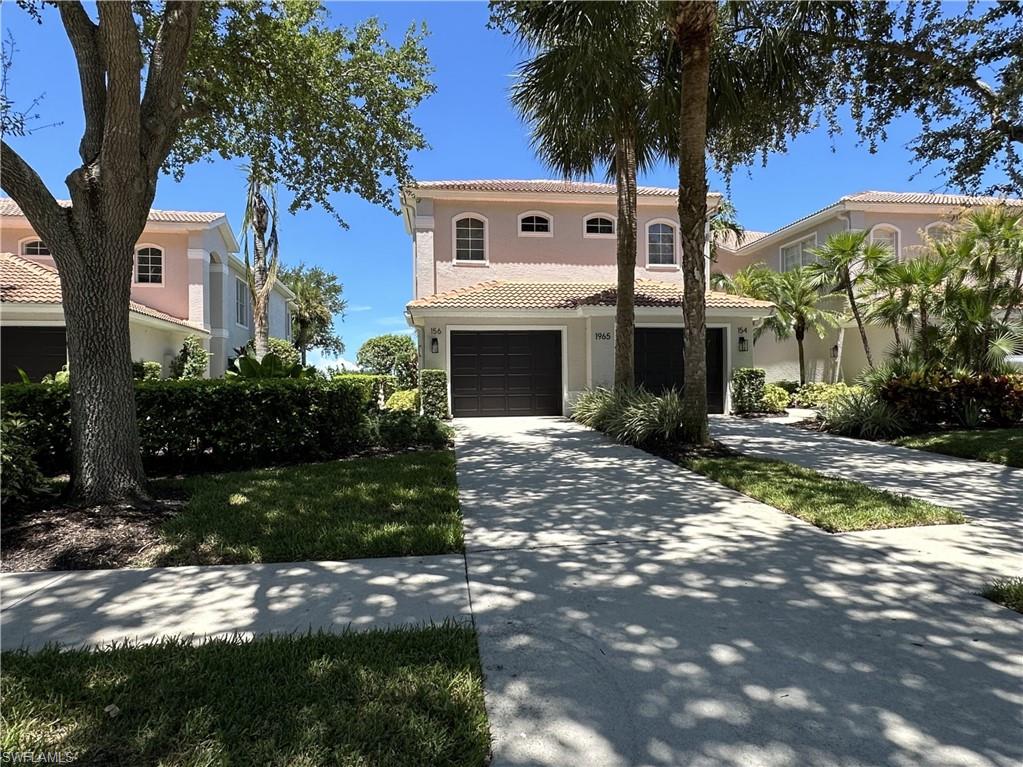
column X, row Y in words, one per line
column 989, row 494
column 95, row 607
column 631, row 613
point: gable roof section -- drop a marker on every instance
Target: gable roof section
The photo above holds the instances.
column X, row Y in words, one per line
column 26, row 282
column 860, row 199
column 9, row 207
column 506, row 294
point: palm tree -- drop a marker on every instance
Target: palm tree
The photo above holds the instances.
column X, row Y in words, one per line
column 842, row 266
column 261, row 220
column 585, row 93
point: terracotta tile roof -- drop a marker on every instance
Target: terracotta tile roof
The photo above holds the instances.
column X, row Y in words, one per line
column 504, row 294
column 541, row 186
column 9, row 207
column 26, row 282
column 728, row 240
column 925, row 198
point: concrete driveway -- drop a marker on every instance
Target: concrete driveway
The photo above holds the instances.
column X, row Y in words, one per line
column 633, row 613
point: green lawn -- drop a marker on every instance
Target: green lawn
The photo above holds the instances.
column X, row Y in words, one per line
column 1003, row 446
column 835, row 505
column 1008, row 592
column 396, row 505
column 382, row 698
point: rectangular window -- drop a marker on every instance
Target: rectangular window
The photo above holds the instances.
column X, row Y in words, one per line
column 241, row 302
column 797, row 254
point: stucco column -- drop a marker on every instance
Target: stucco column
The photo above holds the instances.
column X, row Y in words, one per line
column 425, row 275
column 198, row 282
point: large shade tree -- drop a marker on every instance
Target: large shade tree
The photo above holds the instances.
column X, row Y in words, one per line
column 585, row 92
column 316, row 107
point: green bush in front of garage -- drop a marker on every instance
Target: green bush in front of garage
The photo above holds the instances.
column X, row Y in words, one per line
column 433, row 393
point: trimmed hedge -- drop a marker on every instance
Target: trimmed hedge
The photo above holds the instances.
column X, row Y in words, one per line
column 406, row 400
column 819, row 396
column 747, row 390
column 433, row 393
column 211, row 423
column 377, row 389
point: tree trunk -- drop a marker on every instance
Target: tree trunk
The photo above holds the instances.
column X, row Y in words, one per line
column 260, row 299
column 625, row 302
column 303, row 350
column 96, row 286
column 840, row 343
column 693, row 28
column 855, row 309
column 802, row 359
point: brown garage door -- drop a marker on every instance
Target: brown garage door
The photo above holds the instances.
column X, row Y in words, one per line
column 660, row 363
column 37, row 351
column 505, row 372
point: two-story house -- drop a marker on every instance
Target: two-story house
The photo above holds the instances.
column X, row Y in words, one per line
column 903, row 221
column 187, row 280
column 514, row 288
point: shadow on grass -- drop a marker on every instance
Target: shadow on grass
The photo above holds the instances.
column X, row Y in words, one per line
column 398, row 697
column 396, row 505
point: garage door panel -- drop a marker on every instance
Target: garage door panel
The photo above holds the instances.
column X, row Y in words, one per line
column 506, row 373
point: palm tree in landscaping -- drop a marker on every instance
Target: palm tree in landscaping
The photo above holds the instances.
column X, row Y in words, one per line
column 797, row 303
column 843, row 265
column 260, row 220
column 585, row 93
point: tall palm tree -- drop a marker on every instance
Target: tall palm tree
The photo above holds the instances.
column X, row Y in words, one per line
column 797, row 303
column 842, row 266
column 260, row 220
column 585, row 93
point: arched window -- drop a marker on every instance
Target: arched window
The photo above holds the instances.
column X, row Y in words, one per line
column 470, row 238
column 889, row 236
column 660, row 244
column 34, row 248
column 149, row 265
column 939, row 231
column 598, row 225
column 535, row 223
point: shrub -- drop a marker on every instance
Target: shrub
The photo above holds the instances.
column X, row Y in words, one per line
column 392, row 354
column 433, row 393
column 282, row 348
column 192, row 360
column 635, row 417
column 147, row 370
column 376, row 389
column 859, row 413
column 20, row 478
column 398, row 430
column 775, row 399
column 933, row 397
column 271, row 366
column 747, row 390
column 407, row 400
column 212, row 423
column 819, row 395
column 789, row 386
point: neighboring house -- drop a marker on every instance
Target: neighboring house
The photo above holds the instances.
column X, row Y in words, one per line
column 187, row 280
column 902, row 220
column 514, row 294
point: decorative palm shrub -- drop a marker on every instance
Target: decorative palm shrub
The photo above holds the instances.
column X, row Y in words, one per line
column 635, row 417
column 860, row 413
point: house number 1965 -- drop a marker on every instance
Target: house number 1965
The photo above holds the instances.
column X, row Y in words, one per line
column 602, row 335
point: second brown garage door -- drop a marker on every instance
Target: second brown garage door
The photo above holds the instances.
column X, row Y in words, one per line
column 505, row 372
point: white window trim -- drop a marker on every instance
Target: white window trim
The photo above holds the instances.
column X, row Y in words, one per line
column 898, row 237
column 614, row 227
column 454, row 239
column 678, row 245
column 248, row 302
column 135, row 266
column 25, row 240
column 550, row 224
column 781, row 248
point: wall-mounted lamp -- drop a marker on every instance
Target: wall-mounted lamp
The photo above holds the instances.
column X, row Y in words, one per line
column 743, row 344
column 434, row 345
column 834, row 352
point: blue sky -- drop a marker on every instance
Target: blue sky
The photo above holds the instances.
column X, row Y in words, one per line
column 473, row 133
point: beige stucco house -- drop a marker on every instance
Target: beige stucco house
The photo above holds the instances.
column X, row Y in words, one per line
column 187, row 280
column 902, row 220
column 514, row 294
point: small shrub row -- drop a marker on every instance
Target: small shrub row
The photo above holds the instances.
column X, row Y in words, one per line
column 407, row 400
column 929, row 398
column 398, row 430
column 819, row 395
column 774, row 400
column 750, row 393
column 635, row 417
column 433, row 393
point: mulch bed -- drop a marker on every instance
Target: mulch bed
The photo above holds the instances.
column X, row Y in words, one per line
column 57, row 537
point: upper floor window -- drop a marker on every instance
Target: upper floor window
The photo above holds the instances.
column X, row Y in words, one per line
column 241, row 302
column 471, row 239
column 888, row 236
column 535, row 224
column 149, row 266
column 939, row 231
column 660, row 244
column 598, row 225
column 799, row 253
column 34, row 248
